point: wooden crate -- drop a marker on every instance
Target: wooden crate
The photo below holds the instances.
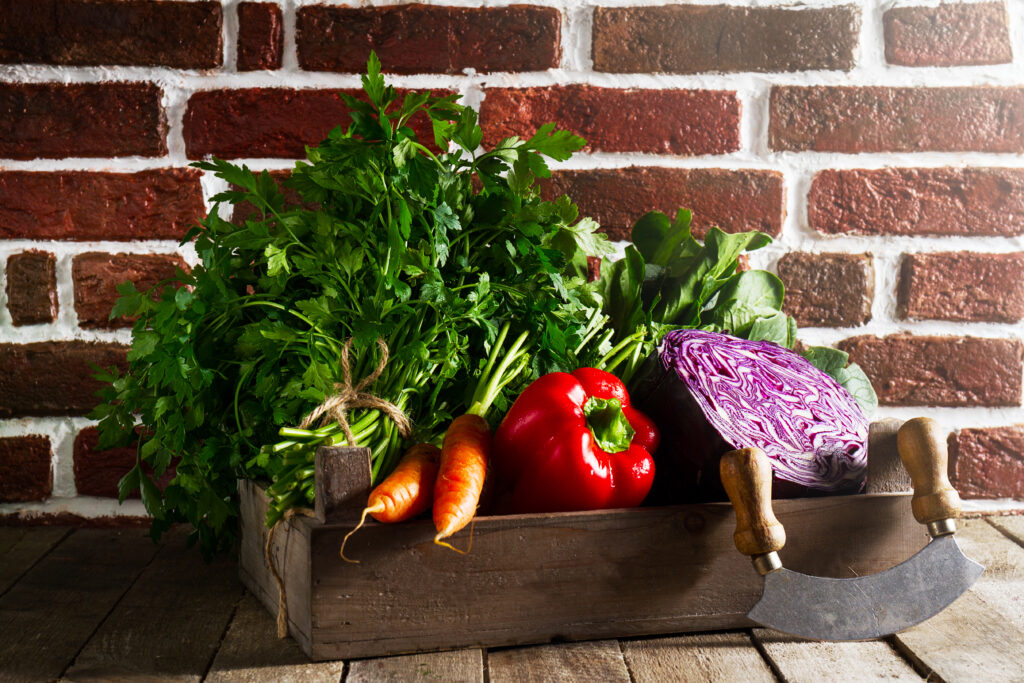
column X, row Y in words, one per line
column 545, row 577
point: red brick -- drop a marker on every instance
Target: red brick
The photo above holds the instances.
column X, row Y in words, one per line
column 54, row 377
column 693, row 39
column 183, row 35
column 25, row 469
column 79, row 205
column 880, row 119
column 733, row 200
column 828, row 290
column 909, row 370
column 98, row 471
column 684, row 122
column 96, row 276
column 963, row 287
column 417, row 38
column 919, row 201
column 269, row 122
column 32, row 287
column 988, row 462
column 948, row 35
column 260, row 36
column 52, row 120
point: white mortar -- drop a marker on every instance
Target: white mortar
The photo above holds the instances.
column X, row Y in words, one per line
column 576, row 67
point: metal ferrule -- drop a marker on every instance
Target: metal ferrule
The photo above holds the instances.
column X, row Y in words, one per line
column 767, row 563
column 942, row 527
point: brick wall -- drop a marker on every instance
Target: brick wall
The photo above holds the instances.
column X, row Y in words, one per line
column 881, row 147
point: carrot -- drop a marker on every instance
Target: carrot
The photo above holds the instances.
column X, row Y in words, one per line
column 467, row 443
column 460, row 479
column 404, row 493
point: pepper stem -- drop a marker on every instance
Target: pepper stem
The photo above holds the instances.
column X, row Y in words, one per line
column 608, row 424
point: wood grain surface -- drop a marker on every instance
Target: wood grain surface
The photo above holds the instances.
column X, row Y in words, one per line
column 21, row 547
column 456, row 666
column 290, row 552
column 804, row 661
column 969, row 641
column 1011, row 525
column 886, row 473
column 696, row 658
column 50, row 613
column 169, row 623
column 1003, row 560
column 599, row 660
column 252, row 653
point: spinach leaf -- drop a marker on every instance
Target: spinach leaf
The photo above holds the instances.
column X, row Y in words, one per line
column 850, row 376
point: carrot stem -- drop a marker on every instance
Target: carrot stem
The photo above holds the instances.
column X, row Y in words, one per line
column 492, row 380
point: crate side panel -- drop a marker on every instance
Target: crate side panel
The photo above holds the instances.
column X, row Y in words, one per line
column 577, row 576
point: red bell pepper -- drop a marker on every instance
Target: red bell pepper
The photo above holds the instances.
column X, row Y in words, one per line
column 573, row 442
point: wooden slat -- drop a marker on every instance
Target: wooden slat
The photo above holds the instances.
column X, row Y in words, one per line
column 169, row 623
column 1011, row 526
column 577, row 576
column 980, row 636
column 1002, row 584
column 968, row 641
column 49, row 614
column 343, row 478
column 252, row 653
column 982, row 542
column 592, row 661
column 458, row 666
column 886, row 473
column 21, row 547
column 697, row 658
column 801, row 660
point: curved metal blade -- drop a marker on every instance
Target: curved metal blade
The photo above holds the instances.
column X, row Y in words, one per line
column 867, row 606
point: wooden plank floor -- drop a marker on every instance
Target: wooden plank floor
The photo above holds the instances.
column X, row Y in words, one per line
column 92, row 604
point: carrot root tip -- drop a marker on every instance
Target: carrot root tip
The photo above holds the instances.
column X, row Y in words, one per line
column 379, row 507
column 445, row 534
column 446, row 544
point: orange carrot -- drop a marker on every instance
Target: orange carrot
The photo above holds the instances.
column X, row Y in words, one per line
column 404, row 493
column 460, row 480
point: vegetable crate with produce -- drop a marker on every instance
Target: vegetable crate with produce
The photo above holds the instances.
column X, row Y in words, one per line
column 558, row 431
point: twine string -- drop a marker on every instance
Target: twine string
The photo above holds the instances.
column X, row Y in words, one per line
column 348, row 397
column 282, row 600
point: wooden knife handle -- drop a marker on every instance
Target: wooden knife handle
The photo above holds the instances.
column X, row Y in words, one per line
column 747, row 478
column 923, row 451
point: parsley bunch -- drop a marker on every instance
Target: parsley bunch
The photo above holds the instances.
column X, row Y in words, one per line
column 436, row 248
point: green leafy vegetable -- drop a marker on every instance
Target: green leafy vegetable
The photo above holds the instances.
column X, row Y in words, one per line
column 668, row 280
column 850, row 376
column 431, row 247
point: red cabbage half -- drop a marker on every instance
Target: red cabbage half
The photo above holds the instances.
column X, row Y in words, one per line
column 756, row 393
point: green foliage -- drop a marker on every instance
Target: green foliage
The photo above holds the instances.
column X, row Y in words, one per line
column 837, row 364
column 669, row 280
column 393, row 239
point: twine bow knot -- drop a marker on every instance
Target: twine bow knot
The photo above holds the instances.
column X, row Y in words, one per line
column 348, row 397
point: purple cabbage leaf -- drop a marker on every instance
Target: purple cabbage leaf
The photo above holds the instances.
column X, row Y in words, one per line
column 759, row 394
